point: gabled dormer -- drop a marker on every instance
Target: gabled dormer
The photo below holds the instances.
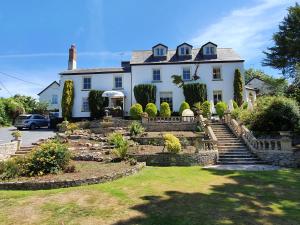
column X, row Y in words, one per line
column 184, row 49
column 160, row 50
column 209, row 50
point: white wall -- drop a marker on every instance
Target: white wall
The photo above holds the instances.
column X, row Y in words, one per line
column 253, row 92
column 142, row 74
column 46, row 96
column 104, row 82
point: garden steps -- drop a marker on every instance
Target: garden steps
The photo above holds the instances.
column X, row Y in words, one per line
column 22, row 151
column 232, row 150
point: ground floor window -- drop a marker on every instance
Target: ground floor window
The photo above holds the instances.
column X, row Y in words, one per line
column 217, row 96
column 85, row 105
column 166, row 97
column 54, row 99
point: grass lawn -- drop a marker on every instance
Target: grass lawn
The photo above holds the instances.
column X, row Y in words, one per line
column 166, row 196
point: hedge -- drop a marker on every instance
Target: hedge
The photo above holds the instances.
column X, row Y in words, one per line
column 97, row 103
column 144, row 94
column 151, row 109
column 194, row 93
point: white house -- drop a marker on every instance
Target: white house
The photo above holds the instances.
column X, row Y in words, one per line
column 213, row 66
column 51, row 95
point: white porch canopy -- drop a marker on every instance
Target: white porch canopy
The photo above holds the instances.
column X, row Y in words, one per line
column 113, row 94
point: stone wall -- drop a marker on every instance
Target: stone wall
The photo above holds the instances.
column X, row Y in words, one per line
column 170, row 126
column 8, row 149
column 201, row 158
column 39, row 185
column 160, row 140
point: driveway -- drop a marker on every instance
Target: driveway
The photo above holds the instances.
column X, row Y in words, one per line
column 28, row 136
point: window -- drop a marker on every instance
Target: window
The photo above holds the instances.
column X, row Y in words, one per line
column 160, row 52
column 54, row 99
column 182, row 50
column 212, row 50
column 207, row 51
column 166, row 97
column 118, row 82
column 186, row 73
column 156, row 74
column 217, row 96
column 87, row 83
column 217, row 73
column 85, row 105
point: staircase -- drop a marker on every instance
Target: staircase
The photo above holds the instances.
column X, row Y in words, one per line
column 22, row 151
column 232, row 150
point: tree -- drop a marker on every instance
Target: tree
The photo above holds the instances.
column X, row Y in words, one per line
column 144, row 94
column 67, row 99
column 96, row 103
column 238, row 87
column 285, row 54
column 194, row 92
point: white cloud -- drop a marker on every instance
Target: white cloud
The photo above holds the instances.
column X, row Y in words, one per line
column 247, row 30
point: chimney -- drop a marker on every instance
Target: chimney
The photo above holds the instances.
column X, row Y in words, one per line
column 72, row 58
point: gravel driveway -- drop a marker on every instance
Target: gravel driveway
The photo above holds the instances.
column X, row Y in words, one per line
column 28, row 136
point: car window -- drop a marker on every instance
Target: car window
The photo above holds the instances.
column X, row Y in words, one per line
column 37, row 117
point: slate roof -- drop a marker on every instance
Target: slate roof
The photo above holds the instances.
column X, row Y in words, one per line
column 96, row 71
column 146, row 57
column 54, row 82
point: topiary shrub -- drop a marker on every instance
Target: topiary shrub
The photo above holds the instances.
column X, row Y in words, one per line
column 136, row 128
column 183, row 106
column 145, row 93
column 172, row 143
column 221, row 107
column 97, row 103
column 151, row 110
column 136, row 111
column 238, row 87
column 165, row 110
column 67, row 99
column 194, row 92
column 206, row 109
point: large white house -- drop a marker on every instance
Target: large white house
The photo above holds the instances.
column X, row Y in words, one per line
column 214, row 67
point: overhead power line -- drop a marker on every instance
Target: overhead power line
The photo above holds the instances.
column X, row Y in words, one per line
column 20, row 79
column 5, row 88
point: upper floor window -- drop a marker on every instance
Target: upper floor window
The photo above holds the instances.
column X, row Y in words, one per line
column 217, row 73
column 54, row 99
column 156, row 74
column 210, row 51
column 118, row 82
column 160, row 52
column 186, row 73
column 85, row 105
column 87, row 83
column 184, row 51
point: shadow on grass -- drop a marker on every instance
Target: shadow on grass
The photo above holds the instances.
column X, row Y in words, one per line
column 269, row 197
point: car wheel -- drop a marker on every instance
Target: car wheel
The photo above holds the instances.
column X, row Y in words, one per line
column 32, row 126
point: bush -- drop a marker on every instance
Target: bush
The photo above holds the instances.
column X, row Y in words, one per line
column 194, row 92
column 136, row 111
column 67, row 99
column 183, row 106
column 122, row 149
column 97, row 103
column 238, row 87
column 221, row 107
column 136, row 128
column 63, row 127
column 144, row 93
column 151, row 110
column 235, row 105
column 11, row 168
column 172, row 143
column 165, row 110
column 116, row 139
column 71, row 127
column 245, row 105
column 206, row 109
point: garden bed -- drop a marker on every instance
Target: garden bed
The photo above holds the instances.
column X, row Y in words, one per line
column 88, row 172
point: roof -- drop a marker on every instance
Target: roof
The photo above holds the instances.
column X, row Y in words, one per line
column 159, row 44
column 49, row 86
column 146, row 57
column 209, row 43
column 258, row 78
column 96, row 71
column 251, row 88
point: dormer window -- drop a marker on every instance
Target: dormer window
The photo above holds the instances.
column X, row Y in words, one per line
column 209, row 50
column 159, row 50
column 184, row 49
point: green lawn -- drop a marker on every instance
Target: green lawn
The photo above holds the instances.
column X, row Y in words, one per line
column 167, row 196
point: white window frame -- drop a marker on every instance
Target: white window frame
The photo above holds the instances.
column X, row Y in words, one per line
column 166, row 93
column 184, row 68
column 153, row 80
column 115, row 86
column 216, row 67
column 85, row 77
column 85, row 100
column 218, row 93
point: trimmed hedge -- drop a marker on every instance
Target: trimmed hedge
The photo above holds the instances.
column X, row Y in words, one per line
column 97, row 103
column 183, row 106
column 67, row 99
column 136, row 111
column 144, row 94
column 151, row 110
column 194, row 93
column 165, row 110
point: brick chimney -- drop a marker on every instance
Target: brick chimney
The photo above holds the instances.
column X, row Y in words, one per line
column 72, row 58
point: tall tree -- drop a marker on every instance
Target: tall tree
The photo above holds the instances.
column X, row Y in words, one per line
column 285, row 54
column 67, row 99
column 238, row 87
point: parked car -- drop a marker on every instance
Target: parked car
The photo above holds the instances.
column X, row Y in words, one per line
column 31, row 121
column 54, row 120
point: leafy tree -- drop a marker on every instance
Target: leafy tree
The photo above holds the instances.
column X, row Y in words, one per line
column 96, row 103
column 293, row 91
column 67, row 99
column 144, row 94
column 285, row 53
column 194, row 92
column 177, row 80
column 40, row 108
column 238, row 87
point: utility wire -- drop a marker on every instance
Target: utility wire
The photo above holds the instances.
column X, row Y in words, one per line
column 5, row 88
column 12, row 76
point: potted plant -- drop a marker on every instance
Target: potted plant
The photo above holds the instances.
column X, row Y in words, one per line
column 17, row 135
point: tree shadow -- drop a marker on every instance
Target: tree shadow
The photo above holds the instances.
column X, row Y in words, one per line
column 251, row 198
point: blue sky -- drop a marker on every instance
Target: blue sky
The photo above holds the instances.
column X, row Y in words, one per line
column 35, row 35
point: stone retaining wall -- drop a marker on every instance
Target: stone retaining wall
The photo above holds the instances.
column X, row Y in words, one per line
column 38, row 185
column 160, row 140
column 170, row 126
column 8, row 149
column 202, row 158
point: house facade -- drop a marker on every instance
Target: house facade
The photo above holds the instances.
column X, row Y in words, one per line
column 209, row 65
column 51, row 96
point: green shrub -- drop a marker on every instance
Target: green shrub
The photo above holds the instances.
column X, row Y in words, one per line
column 13, row 108
column 238, row 87
column 136, row 111
column 235, row 105
column 183, row 106
column 145, row 93
column 67, row 99
column 221, row 107
column 97, row 103
column 121, row 150
column 206, row 109
column 245, row 105
column 71, row 127
column 172, row 143
column 116, row 139
column 151, row 110
column 235, row 114
column 165, row 110
column 63, row 126
column 11, row 168
column 194, row 92
column 136, row 128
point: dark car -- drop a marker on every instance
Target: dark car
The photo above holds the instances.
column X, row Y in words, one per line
column 31, row 121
